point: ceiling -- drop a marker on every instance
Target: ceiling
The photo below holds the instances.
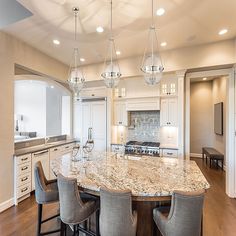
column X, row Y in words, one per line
column 185, row 23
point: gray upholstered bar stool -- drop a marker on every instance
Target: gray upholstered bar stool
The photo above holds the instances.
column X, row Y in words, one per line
column 116, row 216
column 185, row 216
column 73, row 209
column 46, row 192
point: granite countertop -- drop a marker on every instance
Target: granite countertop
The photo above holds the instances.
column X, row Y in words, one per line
column 37, row 148
column 144, row 176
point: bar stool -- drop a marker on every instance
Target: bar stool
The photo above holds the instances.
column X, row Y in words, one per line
column 46, row 192
column 116, row 216
column 185, row 215
column 73, row 209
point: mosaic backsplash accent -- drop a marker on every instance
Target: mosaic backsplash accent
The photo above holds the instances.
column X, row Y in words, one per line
column 145, row 126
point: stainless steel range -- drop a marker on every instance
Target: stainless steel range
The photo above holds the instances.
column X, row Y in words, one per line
column 142, row 148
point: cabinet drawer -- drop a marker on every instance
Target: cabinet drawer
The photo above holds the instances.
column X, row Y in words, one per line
column 24, row 179
column 117, row 148
column 23, row 159
column 68, row 147
column 23, row 168
column 23, row 190
column 170, row 153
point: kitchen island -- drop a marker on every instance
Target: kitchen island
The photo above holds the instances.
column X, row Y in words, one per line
column 150, row 179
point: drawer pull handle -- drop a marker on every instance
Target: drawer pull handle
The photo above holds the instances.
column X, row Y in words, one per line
column 40, row 153
column 55, row 149
column 24, row 159
column 24, row 168
column 24, row 179
column 169, row 153
column 67, row 147
column 24, row 189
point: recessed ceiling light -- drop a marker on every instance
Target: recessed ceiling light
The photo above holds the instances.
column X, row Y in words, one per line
column 204, row 78
column 82, row 59
column 56, row 41
column 99, row 29
column 118, row 52
column 223, row 31
column 160, row 11
column 52, row 87
column 163, row 44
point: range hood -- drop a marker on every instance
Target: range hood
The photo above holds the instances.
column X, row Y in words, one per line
column 143, row 104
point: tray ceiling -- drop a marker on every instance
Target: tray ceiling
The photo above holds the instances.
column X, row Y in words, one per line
column 185, row 23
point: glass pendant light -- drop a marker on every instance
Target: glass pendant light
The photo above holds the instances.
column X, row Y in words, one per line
column 152, row 64
column 111, row 74
column 76, row 77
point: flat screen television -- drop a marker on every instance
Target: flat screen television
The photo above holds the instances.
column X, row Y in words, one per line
column 218, row 118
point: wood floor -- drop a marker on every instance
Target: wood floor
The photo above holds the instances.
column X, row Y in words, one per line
column 219, row 211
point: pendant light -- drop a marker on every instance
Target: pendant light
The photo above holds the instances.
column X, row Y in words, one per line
column 111, row 74
column 152, row 64
column 76, row 77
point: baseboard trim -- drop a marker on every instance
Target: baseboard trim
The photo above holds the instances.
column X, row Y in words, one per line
column 196, row 155
column 7, row 204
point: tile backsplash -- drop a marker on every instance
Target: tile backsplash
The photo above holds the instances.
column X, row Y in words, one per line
column 145, row 126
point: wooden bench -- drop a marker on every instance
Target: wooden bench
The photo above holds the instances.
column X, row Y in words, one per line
column 214, row 155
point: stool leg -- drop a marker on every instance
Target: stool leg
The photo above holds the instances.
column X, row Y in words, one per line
column 40, row 209
column 222, row 165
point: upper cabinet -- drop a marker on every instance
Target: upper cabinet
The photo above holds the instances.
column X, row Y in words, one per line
column 169, row 112
column 169, row 87
column 120, row 113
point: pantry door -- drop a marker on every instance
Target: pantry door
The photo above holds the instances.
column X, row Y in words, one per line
column 94, row 115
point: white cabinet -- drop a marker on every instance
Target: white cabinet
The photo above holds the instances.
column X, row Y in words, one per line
column 22, row 177
column 118, row 148
column 169, row 87
column 169, row 112
column 94, row 115
column 169, row 153
column 54, row 153
column 42, row 156
column 120, row 113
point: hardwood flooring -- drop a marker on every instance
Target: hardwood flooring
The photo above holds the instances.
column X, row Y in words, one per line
column 219, row 211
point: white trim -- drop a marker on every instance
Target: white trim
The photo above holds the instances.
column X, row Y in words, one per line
column 198, row 155
column 230, row 126
column 7, row 204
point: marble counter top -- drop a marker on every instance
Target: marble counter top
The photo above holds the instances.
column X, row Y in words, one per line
column 144, row 176
column 37, row 148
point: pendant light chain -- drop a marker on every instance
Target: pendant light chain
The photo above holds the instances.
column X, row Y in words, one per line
column 152, row 63
column 111, row 74
column 76, row 78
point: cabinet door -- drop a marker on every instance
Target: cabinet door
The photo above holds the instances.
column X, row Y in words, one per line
column 99, row 125
column 164, row 116
column 120, row 114
column 54, row 153
column 173, row 111
column 172, row 87
column 164, row 89
column 44, row 158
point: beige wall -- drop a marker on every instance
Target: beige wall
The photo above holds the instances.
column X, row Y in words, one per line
column 219, row 87
column 203, row 96
column 201, row 116
column 14, row 51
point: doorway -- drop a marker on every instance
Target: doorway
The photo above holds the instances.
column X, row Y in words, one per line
column 205, row 106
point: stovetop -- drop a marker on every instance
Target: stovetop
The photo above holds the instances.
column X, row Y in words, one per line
column 142, row 148
column 143, row 144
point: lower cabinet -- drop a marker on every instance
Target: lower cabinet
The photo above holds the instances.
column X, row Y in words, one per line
column 117, row 148
column 54, row 153
column 24, row 182
column 42, row 156
column 22, row 177
column 169, row 153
